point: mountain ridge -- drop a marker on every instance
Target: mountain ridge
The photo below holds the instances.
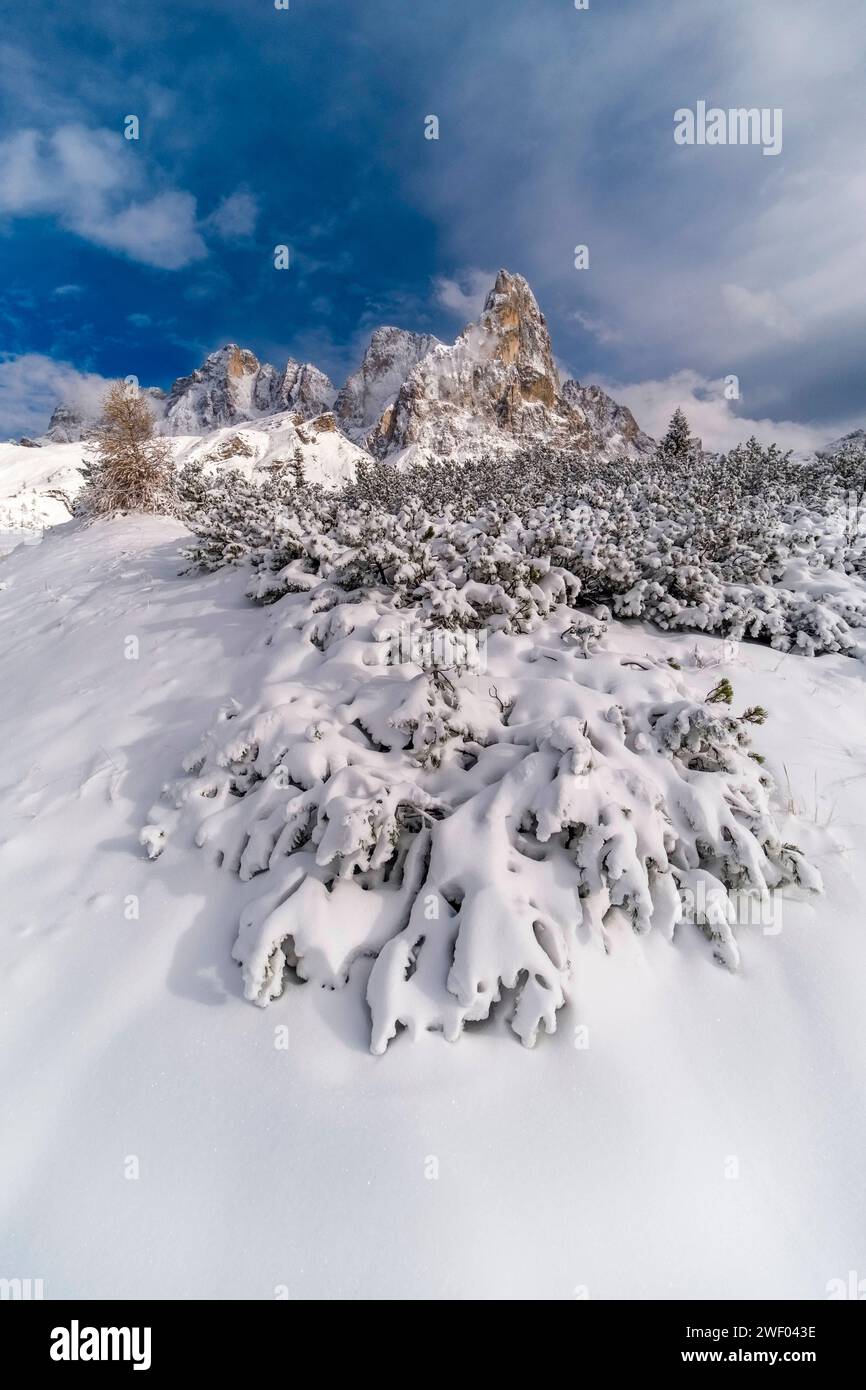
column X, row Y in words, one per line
column 495, row 388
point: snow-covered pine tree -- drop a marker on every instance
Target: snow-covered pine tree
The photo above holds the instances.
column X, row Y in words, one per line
column 848, row 467
column 678, row 443
column 297, row 467
column 127, row 468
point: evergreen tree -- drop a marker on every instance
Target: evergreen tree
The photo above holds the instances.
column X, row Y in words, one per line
column 297, row 467
column 127, row 468
column 848, row 467
column 678, row 443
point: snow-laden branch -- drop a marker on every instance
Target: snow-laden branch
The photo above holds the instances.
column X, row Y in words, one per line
column 469, row 829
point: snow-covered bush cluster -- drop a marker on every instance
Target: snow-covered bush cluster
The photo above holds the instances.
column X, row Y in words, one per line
column 468, row 826
column 751, row 544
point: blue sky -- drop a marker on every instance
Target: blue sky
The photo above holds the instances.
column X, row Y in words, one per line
column 305, row 126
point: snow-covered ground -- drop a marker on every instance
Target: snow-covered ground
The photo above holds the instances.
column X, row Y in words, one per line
column 28, row 477
column 34, row 481
column 708, row 1141
column 15, row 537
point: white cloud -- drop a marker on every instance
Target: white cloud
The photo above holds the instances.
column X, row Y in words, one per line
column 600, row 330
column 159, row 232
column 96, row 185
column 465, row 293
column 32, row 384
column 761, row 309
column 236, row 216
column 711, row 415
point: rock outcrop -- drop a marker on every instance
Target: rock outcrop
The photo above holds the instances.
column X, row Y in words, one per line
column 373, row 388
column 612, row 427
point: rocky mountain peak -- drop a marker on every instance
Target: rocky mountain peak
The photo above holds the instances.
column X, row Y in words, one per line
column 68, row 424
column 232, row 385
column 304, row 389
column 219, row 392
column 497, row 386
column 519, row 330
column 228, row 363
column 370, row 391
column 238, row 361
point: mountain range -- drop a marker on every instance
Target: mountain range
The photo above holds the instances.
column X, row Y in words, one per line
column 496, row 388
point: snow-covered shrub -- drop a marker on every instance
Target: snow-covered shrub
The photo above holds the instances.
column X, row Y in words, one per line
column 748, row 545
column 235, row 517
column 469, row 831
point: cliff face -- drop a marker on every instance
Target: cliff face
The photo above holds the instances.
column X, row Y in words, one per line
column 499, row 386
column 372, row 389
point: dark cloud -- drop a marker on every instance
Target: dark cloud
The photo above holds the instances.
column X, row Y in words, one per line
column 305, row 127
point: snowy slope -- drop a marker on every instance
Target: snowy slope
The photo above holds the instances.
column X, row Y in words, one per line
column 29, row 477
column 480, row 1169
column 328, row 456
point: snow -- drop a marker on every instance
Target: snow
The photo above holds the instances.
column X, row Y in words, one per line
column 476, row 1170
column 29, row 476
column 329, row 458
column 10, row 539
